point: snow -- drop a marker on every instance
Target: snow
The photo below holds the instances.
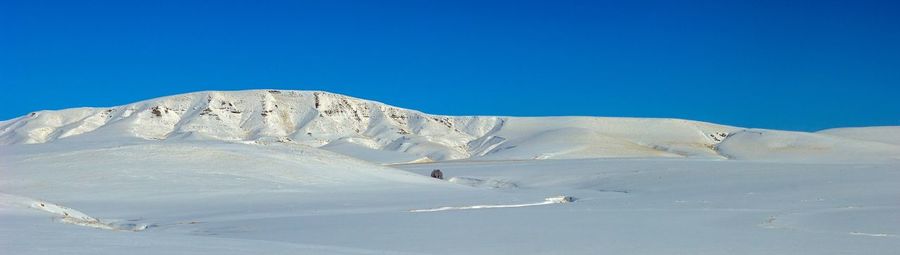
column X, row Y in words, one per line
column 321, row 173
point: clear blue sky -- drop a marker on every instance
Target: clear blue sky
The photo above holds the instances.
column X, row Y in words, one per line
column 799, row 65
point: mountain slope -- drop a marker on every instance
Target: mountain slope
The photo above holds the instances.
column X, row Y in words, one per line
column 760, row 144
column 888, row 134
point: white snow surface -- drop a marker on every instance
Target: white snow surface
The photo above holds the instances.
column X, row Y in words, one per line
column 308, row 172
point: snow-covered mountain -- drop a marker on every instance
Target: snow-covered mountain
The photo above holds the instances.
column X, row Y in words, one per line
column 386, row 134
column 287, row 172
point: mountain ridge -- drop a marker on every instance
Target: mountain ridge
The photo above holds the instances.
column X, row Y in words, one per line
column 368, row 129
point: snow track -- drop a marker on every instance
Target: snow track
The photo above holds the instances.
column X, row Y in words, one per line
column 547, row 201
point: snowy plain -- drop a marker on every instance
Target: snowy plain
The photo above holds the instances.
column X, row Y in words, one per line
column 297, row 172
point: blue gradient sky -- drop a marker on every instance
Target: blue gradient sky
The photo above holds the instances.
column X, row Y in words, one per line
column 799, row 65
